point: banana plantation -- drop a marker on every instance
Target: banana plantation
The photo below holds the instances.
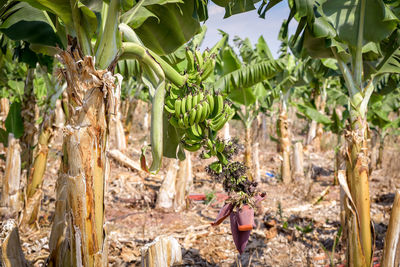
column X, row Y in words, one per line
column 125, row 141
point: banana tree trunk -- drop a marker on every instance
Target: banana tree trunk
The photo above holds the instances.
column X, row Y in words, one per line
column 312, row 132
column 4, row 108
column 379, row 161
column 284, row 139
column 357, row 171
column 358, row 218
column 226, row 131
column 11, row 194
column 257, row 174
column 30, row 114
column 321, row 108
column 183, row 178
column 264, row 129
column 298, row 161
column 166, row 194
column 128, row 121
column 119, row 134
column 391, row 251
column 60, row 117
column 11, row 253
column 92, row 98
column 248, row 160
column 35, row 180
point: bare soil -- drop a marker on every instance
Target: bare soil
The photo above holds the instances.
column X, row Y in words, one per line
column 293, row 228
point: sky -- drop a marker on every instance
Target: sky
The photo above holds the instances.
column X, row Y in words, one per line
column 247, row 24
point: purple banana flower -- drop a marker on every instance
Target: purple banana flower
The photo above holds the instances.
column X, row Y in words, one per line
column 242, row 221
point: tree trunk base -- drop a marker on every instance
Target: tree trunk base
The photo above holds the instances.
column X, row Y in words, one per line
column 10, row 245
column 162, row 252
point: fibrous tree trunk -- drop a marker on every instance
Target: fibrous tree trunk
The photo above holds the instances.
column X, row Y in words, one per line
column 248, row 159
column 30, row 114
column 257, row 172
column 164, row 251
column 4, row 108
column 120, row 138
column 11, row 254
column 78, row 234
column 183, row 179
column 36, row 173
column 312, row 132
column 379, row 161
column 128, row 118
column 264, row 129
column 285, row 143
column 166, row 195
column 298, row 161
column 357, row 171
column 11, row 194
column 391, row 251
column 59, row 117
column 321, row 108
column 227, row 135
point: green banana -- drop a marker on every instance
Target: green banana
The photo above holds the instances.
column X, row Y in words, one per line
column 197, row 131
column 206, row 54
column 191, row 135
column 195, row 100
column 201, row 97
column 183, row 105
column 174, row 122
column 219, row 105
column 190, row 60
column 208, row 69
column 174, row 93
column 189, row 102
column 191, row 141
column 199, row 112
column 192, row 148
column 178, row 103
column 210, row 100
column 205, row 111
column 169, row 103
column 192, row 116
column 181, row 123
column 186, row 120
column 199, row 58
column 220, row 146
column 170, row 110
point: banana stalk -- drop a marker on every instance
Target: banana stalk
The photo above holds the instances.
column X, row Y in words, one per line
column 135, row 51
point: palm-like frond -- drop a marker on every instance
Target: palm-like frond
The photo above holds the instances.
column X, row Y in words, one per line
column 248, row 76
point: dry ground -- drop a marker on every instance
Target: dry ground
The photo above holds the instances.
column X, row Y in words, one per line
column 291, row 231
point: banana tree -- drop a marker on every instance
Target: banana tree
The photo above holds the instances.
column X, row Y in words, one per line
column 351, row 32
column 120, row 29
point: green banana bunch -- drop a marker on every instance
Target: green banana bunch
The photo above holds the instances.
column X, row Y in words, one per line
column 194, row 111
